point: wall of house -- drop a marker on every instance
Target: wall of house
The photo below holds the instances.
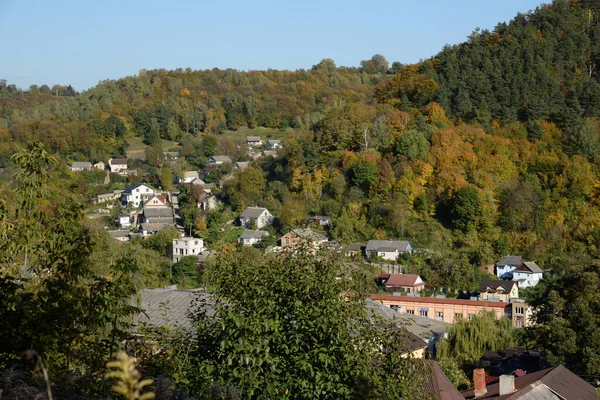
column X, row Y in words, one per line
column 449, row 308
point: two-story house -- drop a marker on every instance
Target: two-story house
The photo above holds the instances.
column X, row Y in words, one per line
column 136, row 195
column 497, row 290
column 515, row 268
column 187, row 246
column 117, row 165
column 259, row 216
column 273, row 144
column 387, row 249
column 254, row 141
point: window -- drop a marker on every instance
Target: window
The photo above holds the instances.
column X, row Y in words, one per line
column 519, row 322
column 439, row 316
column 423, row 313
column 196, row 243
column 137, row 190
column 518, row 310
column 457, row 316
column 471, row 317
column 412, row 312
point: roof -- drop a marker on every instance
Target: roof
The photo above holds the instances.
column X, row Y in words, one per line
column 221, row 158
column 404, row 280
column 529, row 266
column 191, row 174
column 157, row 212
column 356, row 247
column 81, row 164
column 511, row 260
column 387, row 245
column 131, row 188
column 156, row 227
column 170, row 306
column 253, row 138
column 119, row 161
column 273, row 141
column 494, row 284
column 242, row 165
column 439, row 385
column 435, row 300
column 423, row 327
column 308, row 234
column 250, row 234
column 119, row 233
column 253, row 212
column 559, row 379
column 173, row 154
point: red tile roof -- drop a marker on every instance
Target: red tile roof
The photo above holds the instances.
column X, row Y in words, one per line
column 407, row 280
column 435, row 300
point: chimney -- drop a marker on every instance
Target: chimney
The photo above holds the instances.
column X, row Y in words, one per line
column 507, row 384
column 479, row 382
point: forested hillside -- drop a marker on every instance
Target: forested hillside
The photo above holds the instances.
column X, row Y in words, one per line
column 489, row 148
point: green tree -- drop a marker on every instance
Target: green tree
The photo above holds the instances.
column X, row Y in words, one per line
column 466, row 209
column 413, row 144
column 166, row 178
column 297, row 327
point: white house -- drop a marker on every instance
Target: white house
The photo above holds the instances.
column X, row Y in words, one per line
column 158, row 200
column 208, row 202
column 187, row 177
column 250, row 238
column 515, row 268
column 79, row 166
column 218, row 160
column 136, row 195
column 117, row 165
column 187, row 246
column 124, row 221
column 120, row 235
column 254, row 141
column 100, row 165
column 258, row 215
column 387, row 249
column 273, row 144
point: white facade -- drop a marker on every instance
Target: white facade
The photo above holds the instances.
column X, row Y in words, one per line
column 187, row 246
column 136, row 195
column 117, row 165
column 124, row 221
column 261, row 216
column 526, row 279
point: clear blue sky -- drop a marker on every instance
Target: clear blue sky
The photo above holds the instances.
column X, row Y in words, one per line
column 81, row 42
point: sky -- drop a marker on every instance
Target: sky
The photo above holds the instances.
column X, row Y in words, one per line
column 81, row 42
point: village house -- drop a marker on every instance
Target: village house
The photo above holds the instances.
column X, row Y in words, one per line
column 387, row 249
column 147, row 229
column 408, row 282
column 355, row 249
column 251, row 238
column 121, row 235
column 124, row 221
column 496, row 290
column 241, row 165
column 218, row 160
column 296, row 239
column 269, row 153
column 157, row 215
column 187, row 177
column 136, row 195
column 198, row 182
column 254, row 141
column 208, row 202
column 552, row 383
column 78, row 166
column 117, row 165
column 525, row 273
column 187, row 246
column 320, row 220
column 171, row 155
column 273, row 144
column 258, row 216
column 158, row 200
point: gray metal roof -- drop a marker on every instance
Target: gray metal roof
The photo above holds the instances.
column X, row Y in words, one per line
column 531, row 266
column 81, row 164
column 119, row 233
column 170, row 306
column 309, row 234
column 221, row 158
column 253, row 212
column 387, row 245
column 158, row 212
column 511, row 260
column 250, row 234
column 253, row 138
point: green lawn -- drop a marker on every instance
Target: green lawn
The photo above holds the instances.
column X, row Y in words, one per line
column 232, row 235
column 136, row 147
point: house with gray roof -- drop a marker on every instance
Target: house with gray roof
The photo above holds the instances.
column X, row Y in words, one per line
column 157, row 215
column 251, row 238
column 137, row 194
column 387, row 249
column 241, row 165
column 273, row 144
column 256, row 215
column 218, row 160
column 147, row 229
column 187, row 177
column 78, row 166
column 515, row 268
column 122, row 235
column 254, row 141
